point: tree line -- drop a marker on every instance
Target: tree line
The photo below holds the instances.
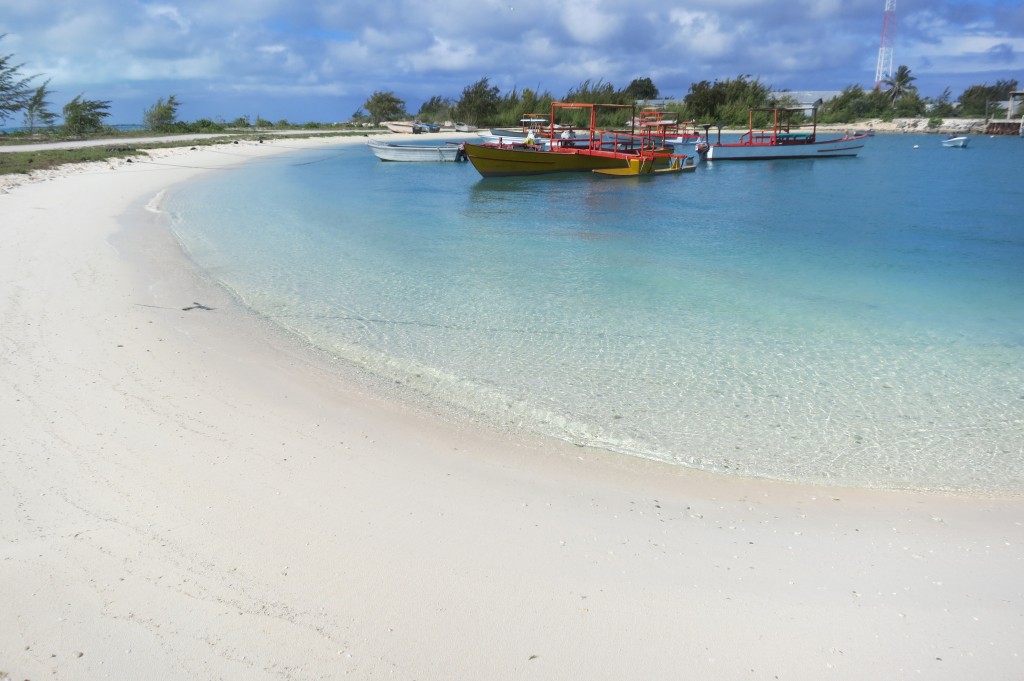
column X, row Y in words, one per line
column 483, row 104
column 727, row 102
column 899, row 98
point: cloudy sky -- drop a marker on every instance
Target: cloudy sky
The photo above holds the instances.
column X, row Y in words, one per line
column 319, row 60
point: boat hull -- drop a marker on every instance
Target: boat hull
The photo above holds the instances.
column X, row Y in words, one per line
column 401, row 127
column 502, row 162
column 415, row 153
column 647, row 166
column 960, row 142
column 844, row 146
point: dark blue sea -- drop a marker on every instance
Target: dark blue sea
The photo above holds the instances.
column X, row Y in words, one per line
column 852, row 322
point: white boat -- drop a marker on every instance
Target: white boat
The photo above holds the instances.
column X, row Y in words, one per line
column 783, row 140
column 531, row 125
column 465, row 127
column 405, row 127
column 955, row 142
column 389, row 151
column 509, row 141
column 422, row 126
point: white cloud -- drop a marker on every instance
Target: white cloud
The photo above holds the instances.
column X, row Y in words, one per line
column 445, row 55
column 968, row 54
column 588, row 23
column 272, row 46
column 168, row 13
column 823, row 9
column 704, row 35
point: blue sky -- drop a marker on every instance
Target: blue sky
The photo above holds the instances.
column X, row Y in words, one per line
column 319, row 60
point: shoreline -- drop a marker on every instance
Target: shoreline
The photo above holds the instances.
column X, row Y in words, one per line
column 199, row 498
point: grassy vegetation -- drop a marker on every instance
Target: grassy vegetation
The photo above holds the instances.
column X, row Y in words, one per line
column 27, row 161
column 121, row 144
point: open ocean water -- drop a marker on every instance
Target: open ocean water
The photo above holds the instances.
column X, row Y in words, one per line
column 841, row 321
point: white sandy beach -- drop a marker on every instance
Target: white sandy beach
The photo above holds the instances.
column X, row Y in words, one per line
column 187, row 494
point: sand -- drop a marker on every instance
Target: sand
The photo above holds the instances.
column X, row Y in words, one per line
column 187, row 494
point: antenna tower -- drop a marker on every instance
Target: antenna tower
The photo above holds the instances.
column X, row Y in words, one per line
column 884, row 68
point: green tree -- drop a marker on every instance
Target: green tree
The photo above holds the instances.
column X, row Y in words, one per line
column 854, row 103
column 641, row 89
column 942, row 106
column 15, row 90
column 162, row 115
column 727, row 101
column 437, row 109
column 598, row 92
column 479, row 102
column 514, row 105
column 358, row 117
column 37, row 109
column 201, row 125
column 82, row 116
column 900, row 85
column 980, row 100
column 384, row 106
column 910, row 105
column 703, row 100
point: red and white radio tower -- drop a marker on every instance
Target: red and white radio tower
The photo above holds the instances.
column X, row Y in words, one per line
column 884, row 68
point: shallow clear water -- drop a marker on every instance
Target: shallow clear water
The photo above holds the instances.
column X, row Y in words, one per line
column 849, row 321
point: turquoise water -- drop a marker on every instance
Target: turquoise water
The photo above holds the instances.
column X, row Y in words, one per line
column 842, row 321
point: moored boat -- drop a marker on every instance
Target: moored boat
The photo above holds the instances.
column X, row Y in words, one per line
column 591, row 149
column 389, row 151
column 640, row 167
column 512, row 161
column 665, row 127
column 958, row 141
column 403, row 127
column 783, row 140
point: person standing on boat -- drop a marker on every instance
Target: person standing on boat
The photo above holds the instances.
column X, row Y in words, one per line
column 567, row 135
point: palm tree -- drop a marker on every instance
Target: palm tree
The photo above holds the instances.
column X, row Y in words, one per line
column 899, row 85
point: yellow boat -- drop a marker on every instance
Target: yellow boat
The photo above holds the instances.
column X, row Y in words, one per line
column 617, row 152
column 509, row 161
column 648, row 165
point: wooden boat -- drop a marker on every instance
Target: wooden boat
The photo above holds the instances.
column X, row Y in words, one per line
column 596, row 149
column 389, row 151
column 511, row 161
column 403, row 127
column 783, row 140
column 960, row 142
column 422, row 126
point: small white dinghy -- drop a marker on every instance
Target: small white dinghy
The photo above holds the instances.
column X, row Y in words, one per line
column 955, row 142
column 388, row 151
